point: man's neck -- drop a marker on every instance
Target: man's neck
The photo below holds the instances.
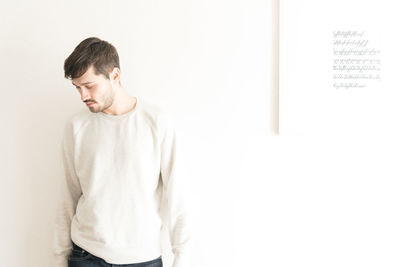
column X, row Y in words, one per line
column 123, row 103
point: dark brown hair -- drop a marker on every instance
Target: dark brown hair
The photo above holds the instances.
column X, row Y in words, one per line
column 91, row 51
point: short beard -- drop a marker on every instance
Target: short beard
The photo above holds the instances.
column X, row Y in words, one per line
column 108, row 101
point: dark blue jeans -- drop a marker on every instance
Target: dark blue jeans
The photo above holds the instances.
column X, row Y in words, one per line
column 81, row 258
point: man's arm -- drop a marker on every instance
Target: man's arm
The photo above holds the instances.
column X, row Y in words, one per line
column 69, row 194
column 176, row 213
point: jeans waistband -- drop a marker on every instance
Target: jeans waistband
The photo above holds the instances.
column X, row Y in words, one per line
column 78, row 247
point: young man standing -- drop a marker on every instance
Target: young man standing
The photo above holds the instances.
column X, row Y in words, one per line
column 122, row 181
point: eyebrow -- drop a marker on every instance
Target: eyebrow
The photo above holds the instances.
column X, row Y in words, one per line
column 82, row 83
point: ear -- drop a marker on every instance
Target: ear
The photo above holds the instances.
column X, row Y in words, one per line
column 115, row 75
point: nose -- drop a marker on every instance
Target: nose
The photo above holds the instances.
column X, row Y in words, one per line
column 84, row 95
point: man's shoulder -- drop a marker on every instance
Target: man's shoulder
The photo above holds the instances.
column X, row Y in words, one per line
column 151, row 108
column 155, row 113
column 75, row 121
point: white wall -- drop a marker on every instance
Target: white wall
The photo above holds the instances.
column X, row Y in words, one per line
column 209, row 62
column 259, row 200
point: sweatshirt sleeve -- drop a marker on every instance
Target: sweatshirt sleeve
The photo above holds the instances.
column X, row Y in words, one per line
column 69, row 194
column 174, row 191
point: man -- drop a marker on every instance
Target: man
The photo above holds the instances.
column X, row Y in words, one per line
column 122, row 181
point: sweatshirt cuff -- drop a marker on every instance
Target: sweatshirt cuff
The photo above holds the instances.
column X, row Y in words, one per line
column 61, row 261
column 181, row 260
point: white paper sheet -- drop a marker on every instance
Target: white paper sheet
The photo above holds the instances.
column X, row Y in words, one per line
column 338, row 68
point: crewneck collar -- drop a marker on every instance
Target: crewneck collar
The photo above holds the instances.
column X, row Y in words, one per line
column 120, row 117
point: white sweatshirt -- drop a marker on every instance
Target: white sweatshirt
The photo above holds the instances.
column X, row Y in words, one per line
column 122, row 182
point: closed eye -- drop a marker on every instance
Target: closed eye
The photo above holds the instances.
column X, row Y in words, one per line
column 86, row 87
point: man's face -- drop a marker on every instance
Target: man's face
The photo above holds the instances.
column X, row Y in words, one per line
column 95, row 90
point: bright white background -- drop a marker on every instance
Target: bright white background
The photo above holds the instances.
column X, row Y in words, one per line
column 258, row 199
column 337, row 197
